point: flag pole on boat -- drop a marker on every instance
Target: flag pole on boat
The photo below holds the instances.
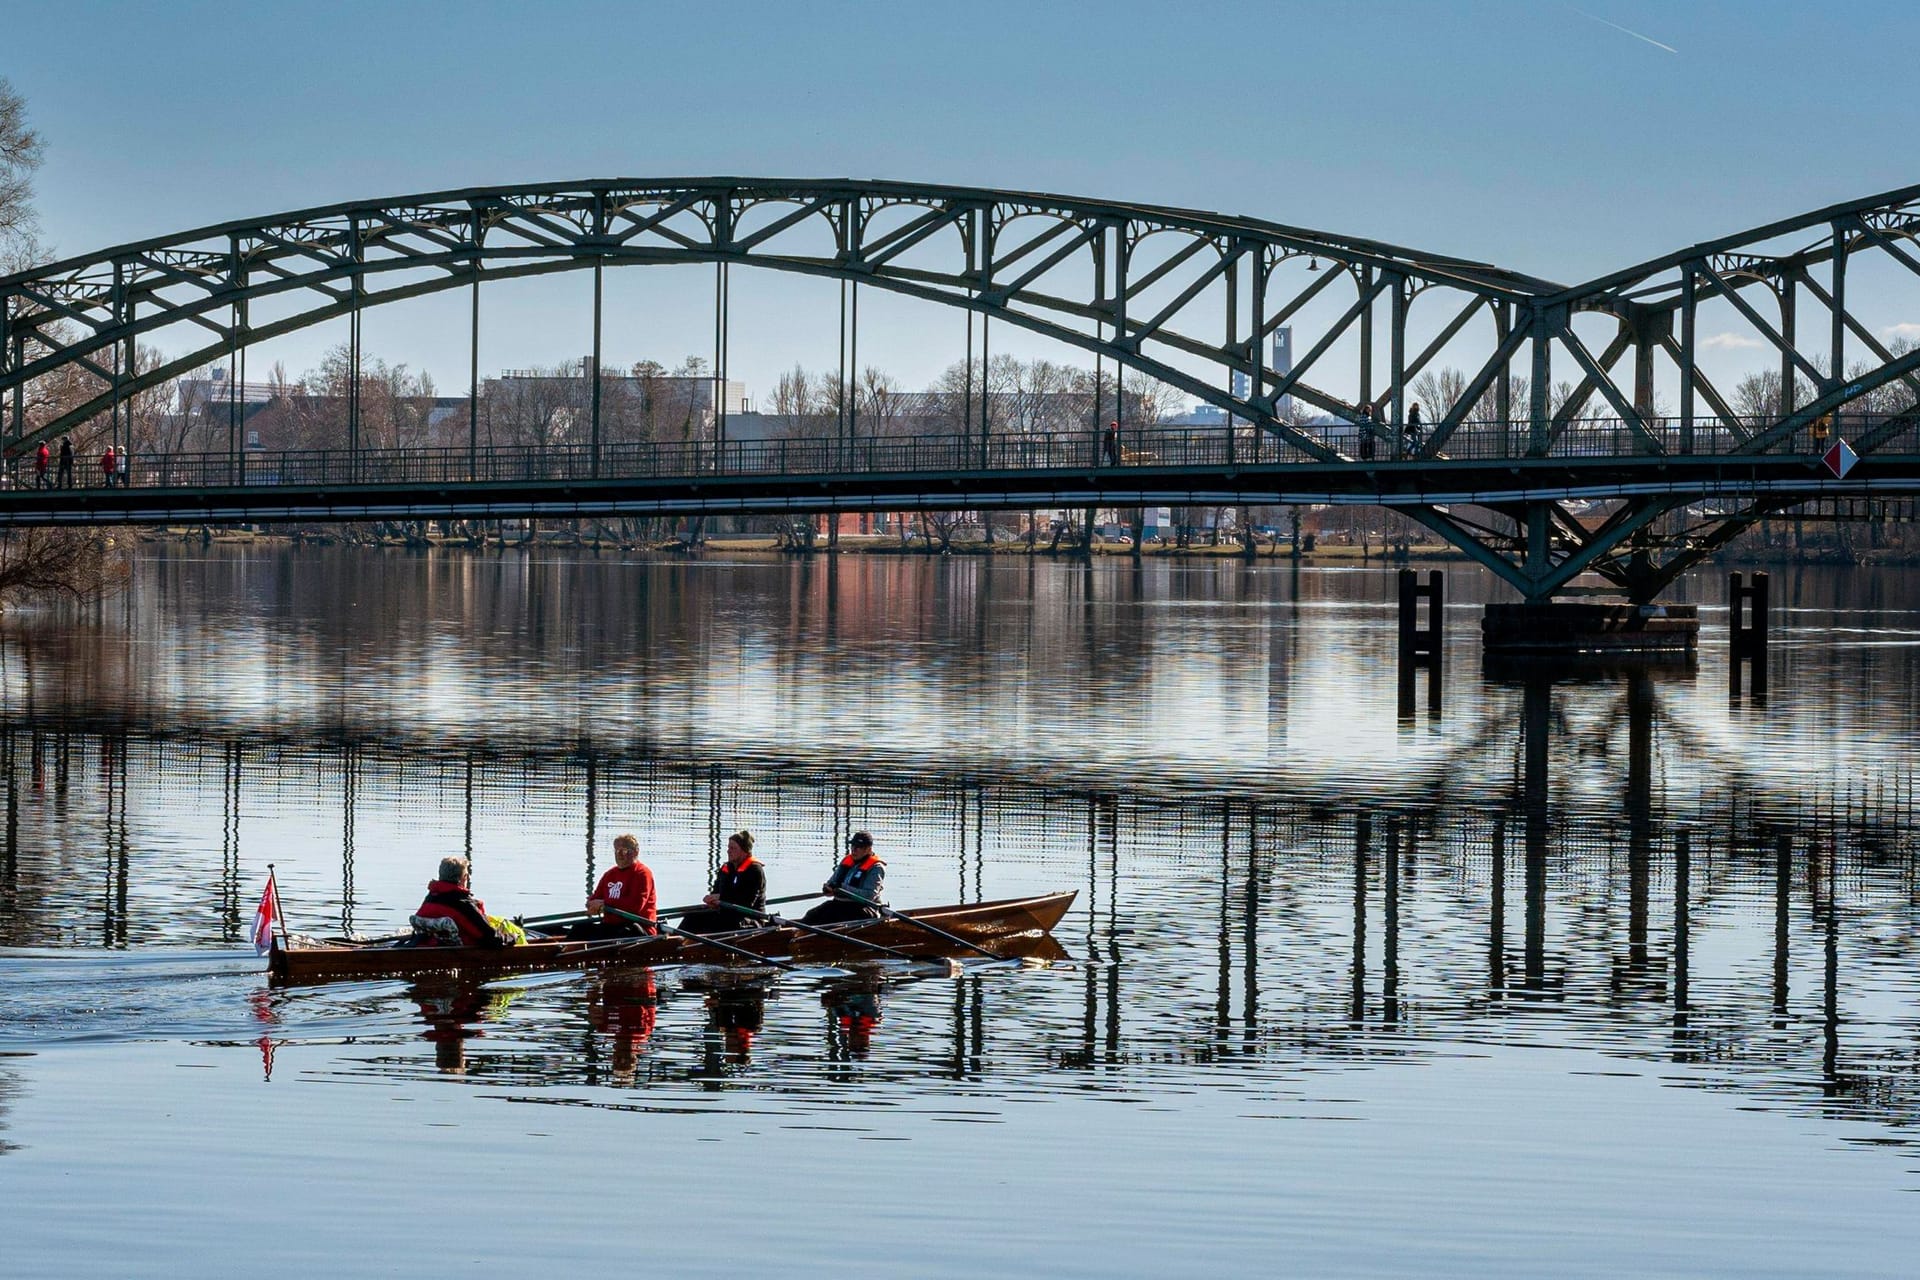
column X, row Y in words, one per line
column 280, row 912
column 267, row 915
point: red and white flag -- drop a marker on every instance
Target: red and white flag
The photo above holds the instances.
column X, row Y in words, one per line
column 264, row 916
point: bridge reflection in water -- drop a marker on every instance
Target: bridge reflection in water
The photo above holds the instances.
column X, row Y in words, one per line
column 1338, row 926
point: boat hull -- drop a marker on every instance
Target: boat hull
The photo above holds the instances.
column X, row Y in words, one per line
column 1009, row 928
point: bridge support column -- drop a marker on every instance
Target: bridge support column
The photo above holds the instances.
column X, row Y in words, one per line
column 1539, row 542
column 1747, row 633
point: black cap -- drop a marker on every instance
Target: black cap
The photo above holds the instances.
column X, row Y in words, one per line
column 860, row 840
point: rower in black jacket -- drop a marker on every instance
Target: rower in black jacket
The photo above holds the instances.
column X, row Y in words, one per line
column 740, row 882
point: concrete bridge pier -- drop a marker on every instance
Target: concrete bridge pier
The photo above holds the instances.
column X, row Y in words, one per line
column 1544, row 547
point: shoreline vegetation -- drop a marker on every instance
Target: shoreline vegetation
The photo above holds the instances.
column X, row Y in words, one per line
column 1319, row 553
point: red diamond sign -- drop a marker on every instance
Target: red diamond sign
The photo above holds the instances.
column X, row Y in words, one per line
column 1839, row 459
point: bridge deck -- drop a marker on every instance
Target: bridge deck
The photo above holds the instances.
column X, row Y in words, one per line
column 911, row 473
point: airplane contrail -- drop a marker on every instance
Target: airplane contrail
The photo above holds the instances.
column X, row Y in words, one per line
column 1623, row 30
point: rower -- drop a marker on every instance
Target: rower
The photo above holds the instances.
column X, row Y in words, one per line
column 627, row 887
column 859, row 873
column 740, row 882
column 452, row 916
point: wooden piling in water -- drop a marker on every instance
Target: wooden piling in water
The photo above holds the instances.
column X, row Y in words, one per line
column 1747, row 627
column 1420, row 645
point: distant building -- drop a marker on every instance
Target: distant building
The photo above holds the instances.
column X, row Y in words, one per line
column 1201, row 415
column 207, row 405
column 1280, row 362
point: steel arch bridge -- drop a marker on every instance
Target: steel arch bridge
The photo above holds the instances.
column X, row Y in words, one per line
column 1183, row 296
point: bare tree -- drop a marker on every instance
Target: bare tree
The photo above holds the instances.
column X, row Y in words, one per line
column 880, row 409
column 540, row 408
column 20, row 153
column 72, row 562
column 796, row 394
column 1438, row 390
column 1892, row 397
column 1148, row 400
column 1756, row 397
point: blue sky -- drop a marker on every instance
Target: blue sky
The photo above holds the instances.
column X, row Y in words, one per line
column 1534, row 135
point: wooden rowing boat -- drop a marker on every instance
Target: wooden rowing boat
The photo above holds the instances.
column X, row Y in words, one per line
column 1011, row 927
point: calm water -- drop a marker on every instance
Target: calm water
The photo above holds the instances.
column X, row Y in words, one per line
column 1603, row 975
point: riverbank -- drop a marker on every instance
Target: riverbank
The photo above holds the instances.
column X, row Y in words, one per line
column 849, row 544
column 1321, row 554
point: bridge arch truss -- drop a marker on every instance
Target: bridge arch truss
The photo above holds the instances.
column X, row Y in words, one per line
column 1184, row 296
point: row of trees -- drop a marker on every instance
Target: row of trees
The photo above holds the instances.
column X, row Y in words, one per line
column 552, row 407
column 41, row 561
column 1754, row 398
column 1009, row 395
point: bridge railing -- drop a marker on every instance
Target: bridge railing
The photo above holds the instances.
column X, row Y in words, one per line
column 1196, row 447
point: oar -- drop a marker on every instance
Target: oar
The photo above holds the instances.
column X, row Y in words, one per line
column 904, row 918
column 573, row 917
column 770, row 918
column 607, row 944
column 702, row 939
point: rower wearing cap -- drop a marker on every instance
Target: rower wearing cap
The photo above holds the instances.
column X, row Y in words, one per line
column 861, row 874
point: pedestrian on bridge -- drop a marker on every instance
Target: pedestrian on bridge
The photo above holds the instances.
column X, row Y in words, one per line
column 106, row 467
column 42, row 459
column 66, row 462
column 1413, row 429
column 1110, row 443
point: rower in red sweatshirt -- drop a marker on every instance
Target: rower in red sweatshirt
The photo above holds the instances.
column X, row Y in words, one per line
column 627, row 887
